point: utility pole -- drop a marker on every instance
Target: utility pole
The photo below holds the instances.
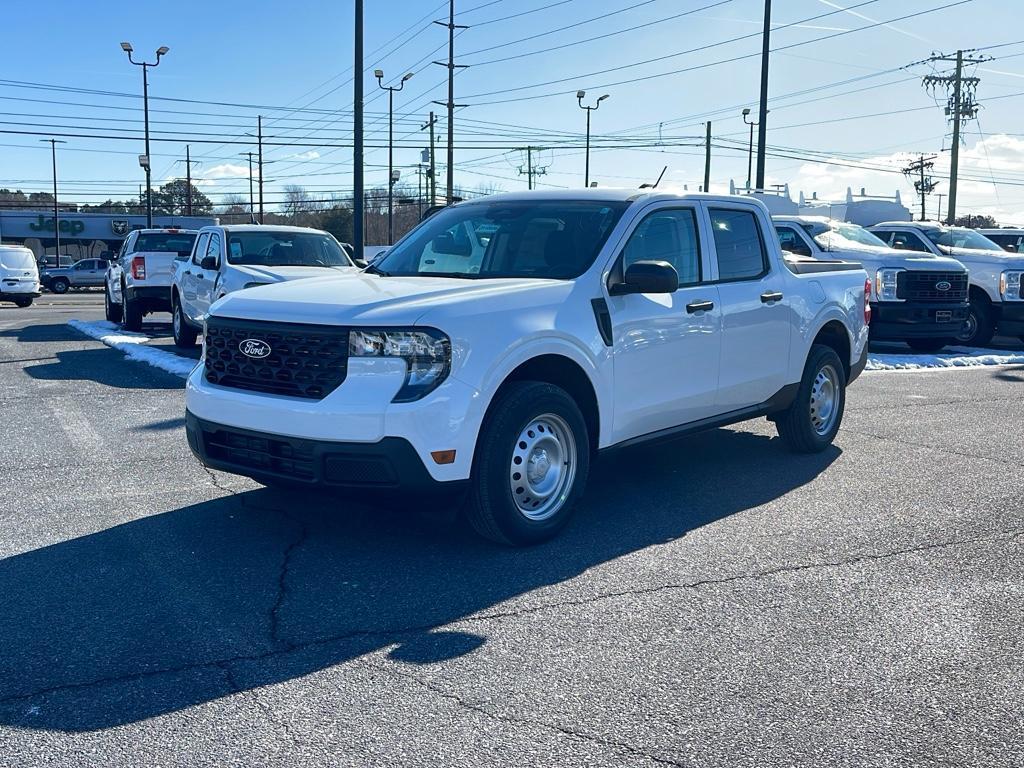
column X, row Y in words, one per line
column 762, row 114
column 188, row 178
column 531, row 171
column 259, row 164
column 707, row 157
column 961, row 106
column 252, row 209
column 938, row 209
column 56, row 215
column 923, row 184
column 432, row 173
column 452, row 66
column 358, row 201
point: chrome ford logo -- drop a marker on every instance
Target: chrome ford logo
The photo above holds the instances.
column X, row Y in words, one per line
column 943, row 285
column 256, row 348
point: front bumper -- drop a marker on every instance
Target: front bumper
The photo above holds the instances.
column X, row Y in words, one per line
column 899, row 321
column 390, row 464
column 1011, row 318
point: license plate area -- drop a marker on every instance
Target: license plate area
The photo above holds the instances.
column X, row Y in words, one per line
column 943, row 316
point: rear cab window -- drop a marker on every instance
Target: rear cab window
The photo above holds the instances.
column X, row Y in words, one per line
column 791, row 241
column 178, row 243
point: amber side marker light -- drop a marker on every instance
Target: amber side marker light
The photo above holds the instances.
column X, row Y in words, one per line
column 443, row 457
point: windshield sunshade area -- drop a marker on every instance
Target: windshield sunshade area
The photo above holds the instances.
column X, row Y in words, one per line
column 269, row 248
column 543, row 239
column 847, row 236
column 158, row 242
column 962, row 238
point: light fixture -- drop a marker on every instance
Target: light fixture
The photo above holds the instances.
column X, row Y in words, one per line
column 407, row 76
column 602, row 98
column 126, row 47
column 162, row 50
column 378, row 73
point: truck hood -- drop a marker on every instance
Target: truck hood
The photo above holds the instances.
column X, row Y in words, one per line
column 896, row 259
column 1003, row 259
column 283, row 273
column 363, row 298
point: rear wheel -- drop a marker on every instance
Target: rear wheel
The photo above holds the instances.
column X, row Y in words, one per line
column 111, row 310
column 811, row 422
column 531, row 465
column 132, row 310
column 928, row 345
column 60, row 285
column 980, row 325
column 184, row 334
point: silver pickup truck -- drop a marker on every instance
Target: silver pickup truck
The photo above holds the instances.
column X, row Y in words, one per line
column 138, row 281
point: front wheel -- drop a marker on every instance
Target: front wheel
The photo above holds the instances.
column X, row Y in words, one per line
column 928, row 345
column 980, row 326
column 184, row 334
column 111, row 310
column 23, row 303
column 60, row 285
column 531, row 465
column 812, row 420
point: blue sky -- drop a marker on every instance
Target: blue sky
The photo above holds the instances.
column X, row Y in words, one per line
column 240, row 59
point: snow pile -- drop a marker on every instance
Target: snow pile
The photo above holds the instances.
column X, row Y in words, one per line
column 134, row 346
column 957, row 357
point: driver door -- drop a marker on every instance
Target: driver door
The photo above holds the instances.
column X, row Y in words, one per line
column 187, row 279
column 665, row 347
column 207, row 278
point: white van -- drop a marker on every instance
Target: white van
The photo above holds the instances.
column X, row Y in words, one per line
column 19, row 275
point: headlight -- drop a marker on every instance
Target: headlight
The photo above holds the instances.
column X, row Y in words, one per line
column 1010, row 286
column 885, row 285
column 427, row 354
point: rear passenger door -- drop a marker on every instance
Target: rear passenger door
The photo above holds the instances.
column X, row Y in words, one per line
column 665, row 345
column 757, row 319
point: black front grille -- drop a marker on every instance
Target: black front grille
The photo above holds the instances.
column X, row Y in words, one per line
column 921, row 286
column 294, row 459
column 307, row 361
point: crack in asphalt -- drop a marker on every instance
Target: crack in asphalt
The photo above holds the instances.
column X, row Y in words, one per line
column 229, row 676
column 523, row 721
column 387, row 633
column 282, row 583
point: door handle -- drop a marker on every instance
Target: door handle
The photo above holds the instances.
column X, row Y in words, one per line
column 700, row 306
column 186, row 272
column 770, row 296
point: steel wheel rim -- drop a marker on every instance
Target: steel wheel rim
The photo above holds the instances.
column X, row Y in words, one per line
column 543, row 467
column 176, row 320
column 970, row 328
column 824, row 405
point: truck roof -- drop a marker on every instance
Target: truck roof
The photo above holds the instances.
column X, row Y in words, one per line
column 263, row 228
column 912, row 224
column 608, row 194
column 164, row 230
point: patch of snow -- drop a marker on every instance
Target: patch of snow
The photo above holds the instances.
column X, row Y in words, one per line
column 134, row 346
column 956, row 357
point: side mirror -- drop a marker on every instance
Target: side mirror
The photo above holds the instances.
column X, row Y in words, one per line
column 898, row 246
column 445, row 243
column 209, row 262
column 647, row 277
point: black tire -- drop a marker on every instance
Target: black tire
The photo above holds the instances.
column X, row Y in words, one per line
column 184, row 334
column 798, row 425
column 132, row 310
column 111, row 310
column 929, row 345
column 492, row 507
column 981, row 325
column 59, row 285
column 23, row 303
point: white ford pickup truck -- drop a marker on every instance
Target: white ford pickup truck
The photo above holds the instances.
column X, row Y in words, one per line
column 504, row 340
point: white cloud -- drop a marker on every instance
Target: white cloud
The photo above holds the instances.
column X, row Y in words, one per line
column 227, row 171
column 310, row 155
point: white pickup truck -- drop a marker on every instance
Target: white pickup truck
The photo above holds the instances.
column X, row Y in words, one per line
column 138, row 280
column 917, row 298
column 996, row 292
column 502, row 341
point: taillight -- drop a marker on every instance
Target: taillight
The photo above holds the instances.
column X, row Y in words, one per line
column 139, row 268
column 867, row 302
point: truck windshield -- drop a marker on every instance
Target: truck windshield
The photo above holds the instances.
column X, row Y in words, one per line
column 530, row 238
column 962, row 238
column 165, row 242
column 847, row 235
column 270, row 248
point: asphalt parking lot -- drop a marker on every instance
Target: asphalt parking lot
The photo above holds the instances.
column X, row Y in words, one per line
column 718, row 602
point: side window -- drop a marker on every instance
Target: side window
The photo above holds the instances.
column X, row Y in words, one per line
column 792, row 242
column 213, row 249
column 667, row 235
column 738, row 245
column 908, row 241
column 200, row 248
column 884, row 235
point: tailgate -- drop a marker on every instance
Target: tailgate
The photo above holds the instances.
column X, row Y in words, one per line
column 159, row 267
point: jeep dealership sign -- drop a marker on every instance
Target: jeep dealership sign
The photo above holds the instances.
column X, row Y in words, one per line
column 19, row 226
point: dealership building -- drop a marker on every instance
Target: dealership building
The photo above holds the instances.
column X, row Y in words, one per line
column 82, row 235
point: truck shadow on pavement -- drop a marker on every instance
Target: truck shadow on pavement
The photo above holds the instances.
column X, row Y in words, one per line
column 104, row 366
column 257, row 588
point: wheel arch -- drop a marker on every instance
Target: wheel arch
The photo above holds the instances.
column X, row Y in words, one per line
column 834, row 334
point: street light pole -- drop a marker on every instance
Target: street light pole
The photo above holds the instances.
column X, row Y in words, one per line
column 379, row 74
column 597, row 104
column 56, row 215
column 762, row 115
column 161, row 51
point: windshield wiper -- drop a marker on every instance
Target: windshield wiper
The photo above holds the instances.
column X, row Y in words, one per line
column 375, row 270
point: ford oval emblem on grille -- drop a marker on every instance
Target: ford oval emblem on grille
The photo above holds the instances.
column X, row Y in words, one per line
column 943, row 285
column 256, row 348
